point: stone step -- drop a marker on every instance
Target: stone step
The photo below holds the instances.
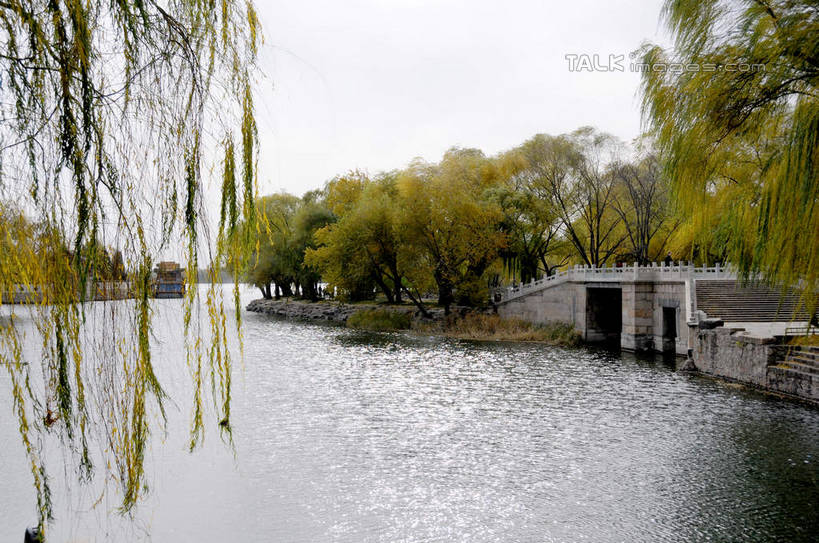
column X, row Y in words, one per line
column 729, row 286
column 725, row 313
column 802, row 359
column 752, row 306
column 802, row 350
column 726, row 295
column 731, row 302
column 792, row 372
column 739, row 316
column 761, row 307
column 735, row 308
column 804, row 368
column 756, row 303
column 771, row 295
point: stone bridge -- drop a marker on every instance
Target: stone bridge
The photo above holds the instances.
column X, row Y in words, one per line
column 643, row 308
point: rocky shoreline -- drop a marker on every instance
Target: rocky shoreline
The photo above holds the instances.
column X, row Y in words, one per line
column 336, row 312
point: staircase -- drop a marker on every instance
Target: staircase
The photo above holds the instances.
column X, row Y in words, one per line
column 798, row 374
column 802, row 358
column 728, row 301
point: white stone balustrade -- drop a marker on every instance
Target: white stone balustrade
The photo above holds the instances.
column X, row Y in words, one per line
column 655, row 272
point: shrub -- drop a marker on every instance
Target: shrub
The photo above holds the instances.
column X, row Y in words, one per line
column 806, row 340
column 493, row 327
column 379, row 320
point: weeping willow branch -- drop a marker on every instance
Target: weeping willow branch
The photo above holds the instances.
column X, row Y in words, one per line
column 740, row 140
column 109, row 113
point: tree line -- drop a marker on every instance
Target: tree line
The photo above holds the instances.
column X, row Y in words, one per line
column 461, row 226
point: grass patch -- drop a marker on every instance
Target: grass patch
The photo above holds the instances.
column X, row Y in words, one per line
column 379, row 320
column 809, row 340
column 494, row 328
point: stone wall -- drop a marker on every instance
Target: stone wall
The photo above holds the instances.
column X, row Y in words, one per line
column 801, row 385
column 565, row 303
column 638, row 317
column 641, row 312
column 732, row 354
column 313, row 311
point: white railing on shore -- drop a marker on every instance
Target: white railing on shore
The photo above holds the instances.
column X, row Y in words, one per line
column 97, row 290
column 656, row 272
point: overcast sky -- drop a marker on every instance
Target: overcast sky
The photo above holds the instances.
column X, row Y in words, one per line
column 370, row 84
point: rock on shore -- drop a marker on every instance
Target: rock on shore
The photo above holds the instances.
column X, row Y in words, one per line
column 328, row 311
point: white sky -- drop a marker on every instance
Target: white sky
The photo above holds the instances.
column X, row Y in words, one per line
column 371, row 84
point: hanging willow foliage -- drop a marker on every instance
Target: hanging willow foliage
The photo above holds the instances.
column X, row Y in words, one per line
column 111, row 111
column 735, row 110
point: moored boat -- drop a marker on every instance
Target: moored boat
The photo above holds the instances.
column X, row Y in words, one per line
column 169, row 280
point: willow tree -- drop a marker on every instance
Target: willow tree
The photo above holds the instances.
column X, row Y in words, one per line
column 363, row 248
column 275, row 257
column 114, row 114
column 735, row 110
column 530, row 219
column 447, row 216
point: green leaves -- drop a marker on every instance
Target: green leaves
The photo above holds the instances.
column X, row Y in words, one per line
column 112, row 112
column 740, row 141
column 286, row 231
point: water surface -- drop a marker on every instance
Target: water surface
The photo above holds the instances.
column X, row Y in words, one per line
column 349, row 436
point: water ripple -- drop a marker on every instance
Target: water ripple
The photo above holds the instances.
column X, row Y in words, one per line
column 349, row 436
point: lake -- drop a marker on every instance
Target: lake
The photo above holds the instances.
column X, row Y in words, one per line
column 343, row 435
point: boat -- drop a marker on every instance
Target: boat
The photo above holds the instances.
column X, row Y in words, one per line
column 169, row 280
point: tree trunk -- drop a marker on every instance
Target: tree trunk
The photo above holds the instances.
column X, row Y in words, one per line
column 445, row 297
column 417, row 303
column 384, row 287
column 311, row 291
column 396, row 281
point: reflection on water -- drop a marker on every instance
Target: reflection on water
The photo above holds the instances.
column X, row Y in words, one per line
column 349, row 436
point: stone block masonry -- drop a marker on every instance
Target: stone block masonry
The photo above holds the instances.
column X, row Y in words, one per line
column 566, row 303
column 732, row 354
column 638, row 317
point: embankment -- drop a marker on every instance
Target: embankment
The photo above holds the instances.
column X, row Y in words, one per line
column 329, row 311
column 764, row 363
column 462, row 323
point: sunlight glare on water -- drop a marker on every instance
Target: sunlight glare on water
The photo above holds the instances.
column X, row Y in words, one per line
column 350, row 436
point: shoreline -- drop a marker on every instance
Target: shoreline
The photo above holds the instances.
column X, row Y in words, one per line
column 465, row 323
column 332, row 311
column 483, row 325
